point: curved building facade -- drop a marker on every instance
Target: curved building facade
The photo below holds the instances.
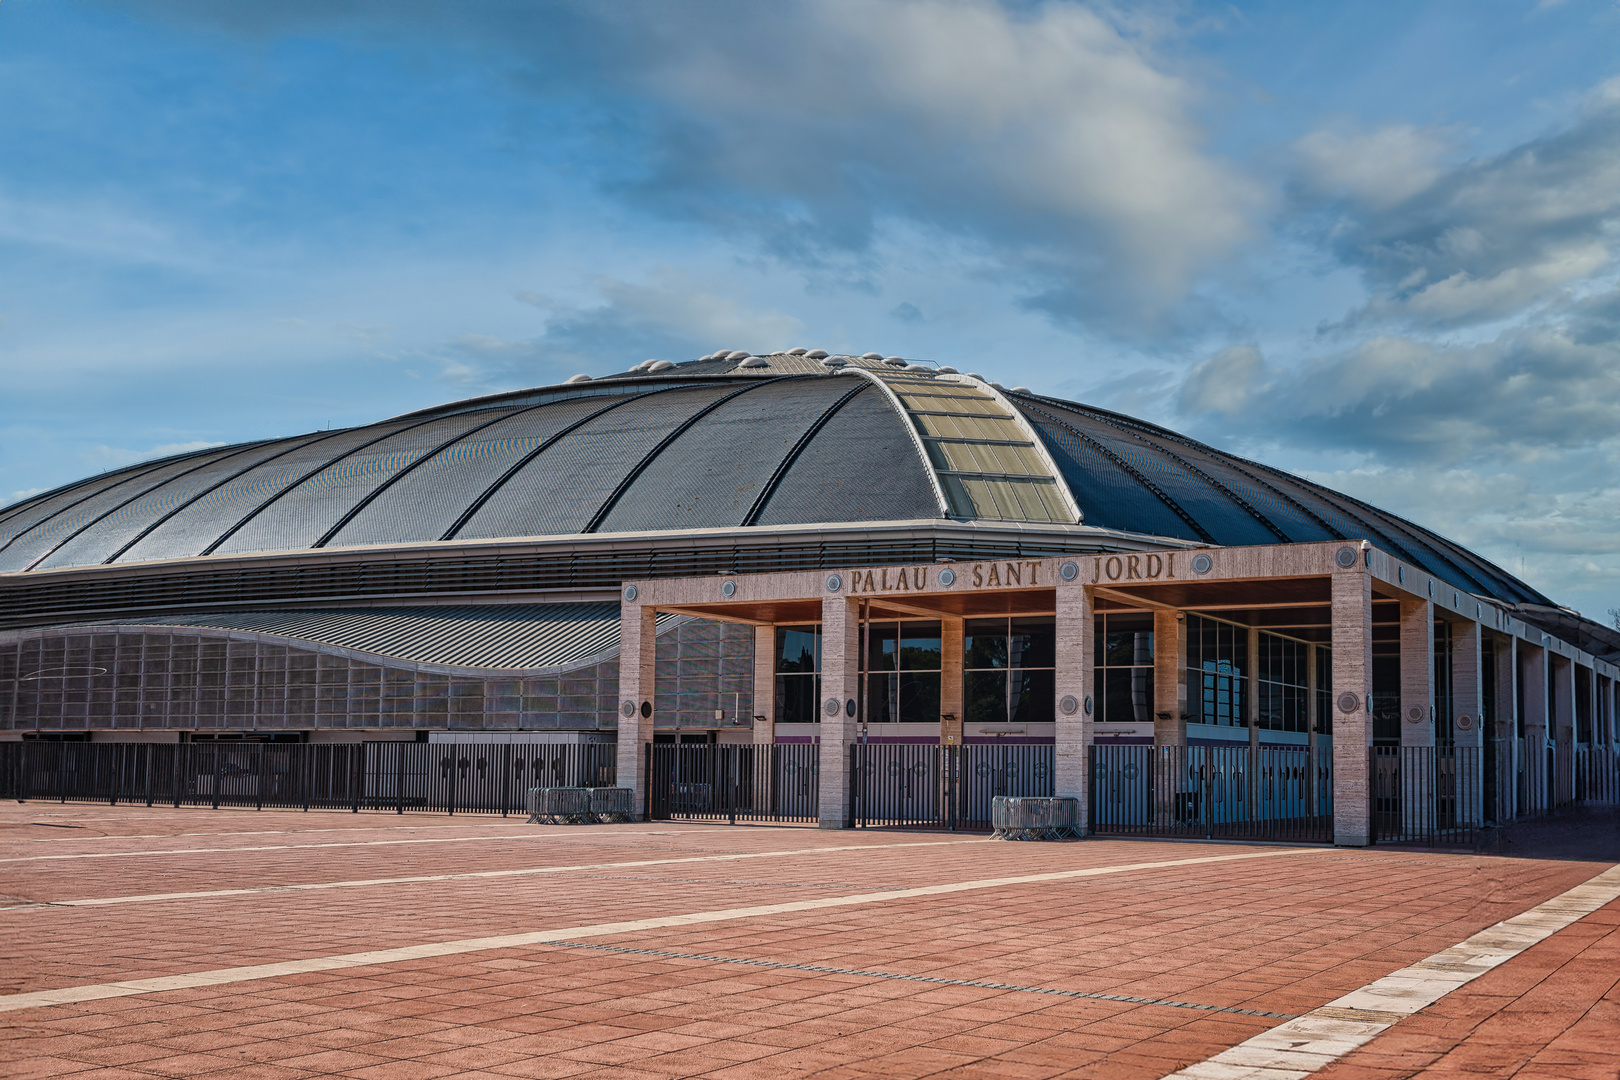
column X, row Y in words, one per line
column 459, row 569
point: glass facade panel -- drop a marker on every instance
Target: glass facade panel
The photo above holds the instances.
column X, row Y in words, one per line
column 1123, row 654
column 1282, row 684
column 798, row 649
column 1217, row 672
column 1008, row 673
column 901, row 676
column 798, row 679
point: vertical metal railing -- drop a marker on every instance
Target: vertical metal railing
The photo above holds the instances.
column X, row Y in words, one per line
column 399, row 776
column 1213, row 792
column 950, row 787
column 747, row 782
column 1427, row 794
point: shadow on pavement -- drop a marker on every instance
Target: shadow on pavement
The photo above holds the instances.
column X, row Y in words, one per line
column 1584, row 834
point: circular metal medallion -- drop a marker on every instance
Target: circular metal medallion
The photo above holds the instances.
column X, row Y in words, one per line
column 1414, row 715
column 849, row 707
column 1069, row 570
column 1348, row 702
column 947, row 577
column 830, row 707
column 1068, row 704
column 834, row 583
column 627, row 709
column 1202, row 563
column 1345, row 557
column 1400, row 574
column 1088, row 704
column 646, row 709
column 631, row 592
column 728, row 589
column 1465, row 722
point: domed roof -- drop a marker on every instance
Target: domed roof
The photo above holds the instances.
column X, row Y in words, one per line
column 784, row 440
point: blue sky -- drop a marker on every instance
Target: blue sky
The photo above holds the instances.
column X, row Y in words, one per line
column 1374, row 243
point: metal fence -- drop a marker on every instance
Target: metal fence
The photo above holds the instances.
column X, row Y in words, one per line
column 1427, row 794
column 437, row 777
column 949, row 787
column 1597, row 775
column 715, row 782
column 1240, row 792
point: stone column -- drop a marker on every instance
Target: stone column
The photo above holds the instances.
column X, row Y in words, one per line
column 1352, row 723
column 1169, row 679
column 1533, row 672
column 1561, row 670
column 1417, row 672
column 1074, row 692
column 1466, row 695
column 840, row 685
column 638, row 661
column 765, row 685
column 1507, row 723
column 951, row 703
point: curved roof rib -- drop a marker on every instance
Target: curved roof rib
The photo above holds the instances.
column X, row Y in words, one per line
column 782, row 467
column 680, row 429
column 1126, row 467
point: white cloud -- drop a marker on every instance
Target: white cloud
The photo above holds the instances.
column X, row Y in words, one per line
column 1477, row 242
column 1224, row 383
column 1377, row 168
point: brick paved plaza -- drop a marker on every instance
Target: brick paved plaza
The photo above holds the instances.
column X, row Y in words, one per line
column 796, row 961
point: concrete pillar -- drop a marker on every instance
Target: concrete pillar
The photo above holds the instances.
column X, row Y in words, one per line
column 1561, row 726
column 1352, row 723
column 840, row 686
column 1169, row 679
column 1074, row 692
column 1467, row 690
column 764, row 685
column 1417, row 672
column 1533, row 673
column 951, row 705
column 1507, row 721
column 638, row 657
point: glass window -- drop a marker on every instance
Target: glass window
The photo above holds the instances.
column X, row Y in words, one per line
column 798, row 660
column 798, row 649
column 1032, row 643
column 919, row 646
column 984, row 644
column 1123, row 650
column 1031, row 693
column 1324, row 691
column 1008, row 674
column 1217, row 672
column 986, row 696
column 902, row 672
column 1281, row 685
column 796, row 699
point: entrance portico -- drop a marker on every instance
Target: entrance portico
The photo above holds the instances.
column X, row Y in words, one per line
column 1307, row 646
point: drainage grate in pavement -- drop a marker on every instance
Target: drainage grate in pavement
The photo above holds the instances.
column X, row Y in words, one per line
column 918, row 978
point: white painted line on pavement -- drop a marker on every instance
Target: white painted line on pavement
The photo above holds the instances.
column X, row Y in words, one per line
column 99, row 991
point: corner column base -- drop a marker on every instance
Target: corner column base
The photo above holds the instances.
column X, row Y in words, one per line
column 1352, row 840
column 832, row 823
